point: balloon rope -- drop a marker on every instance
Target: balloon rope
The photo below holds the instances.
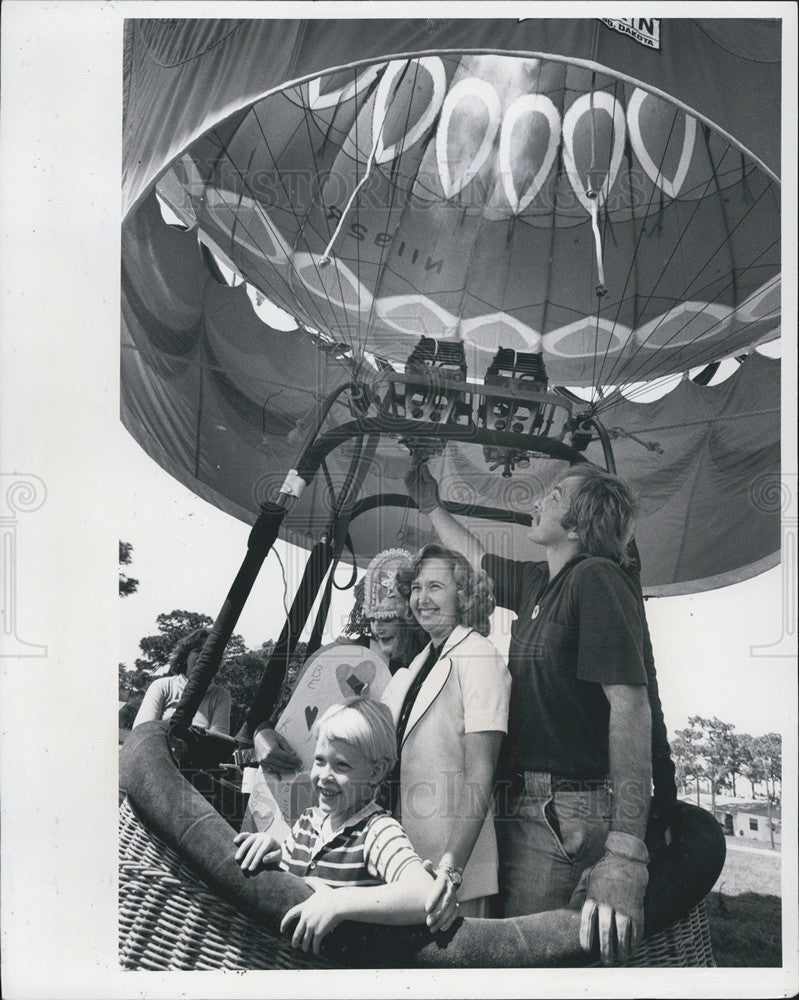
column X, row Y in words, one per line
column 593, row 194
column 600, row 290
column 325, row 258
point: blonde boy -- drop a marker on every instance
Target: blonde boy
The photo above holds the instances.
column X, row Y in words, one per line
column 356, row 857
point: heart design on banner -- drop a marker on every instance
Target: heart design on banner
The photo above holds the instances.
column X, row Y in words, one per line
column 310, row 715
column 353, row 680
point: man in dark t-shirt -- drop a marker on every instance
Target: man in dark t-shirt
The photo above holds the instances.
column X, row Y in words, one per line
column 578, row 761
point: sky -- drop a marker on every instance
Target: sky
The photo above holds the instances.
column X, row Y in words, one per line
column 186, row 554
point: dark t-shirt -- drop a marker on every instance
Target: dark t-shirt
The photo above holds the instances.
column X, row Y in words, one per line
column 588, row 631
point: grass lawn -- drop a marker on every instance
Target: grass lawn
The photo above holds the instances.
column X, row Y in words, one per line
column 745, row 911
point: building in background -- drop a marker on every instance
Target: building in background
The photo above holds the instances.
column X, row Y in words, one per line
column 752, row 821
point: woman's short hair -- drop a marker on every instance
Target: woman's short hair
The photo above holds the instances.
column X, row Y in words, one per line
column 602, row 509
column 179, row 657
column 365, row 724
column 474, row 587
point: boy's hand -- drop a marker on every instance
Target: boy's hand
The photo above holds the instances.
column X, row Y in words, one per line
column 256, row 850
column 315, row 916
column 441, row 905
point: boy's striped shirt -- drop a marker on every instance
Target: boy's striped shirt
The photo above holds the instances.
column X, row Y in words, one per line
column 371, row 848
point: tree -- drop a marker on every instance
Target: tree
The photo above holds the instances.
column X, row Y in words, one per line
column 713, row 740
column 136, row 681
column 685, row 751
column 737, row 750
column 171, row 627
column 242, row 673
column 127, row 584
column 156, row 649
column 719, row 752
column 751, row 765
column 768, row 750
column 174, row 626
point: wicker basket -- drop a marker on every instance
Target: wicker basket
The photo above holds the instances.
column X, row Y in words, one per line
column 169, row 920
column 686, row 943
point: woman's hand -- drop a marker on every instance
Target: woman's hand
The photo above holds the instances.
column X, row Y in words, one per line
column 274, row 752
column 316, row 917
column 441, row 906
column 256, row 850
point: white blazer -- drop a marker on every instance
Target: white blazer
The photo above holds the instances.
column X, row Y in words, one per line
column 467, row 691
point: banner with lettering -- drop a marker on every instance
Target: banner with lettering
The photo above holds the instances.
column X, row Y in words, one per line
column 334, row 674
column 645, row 30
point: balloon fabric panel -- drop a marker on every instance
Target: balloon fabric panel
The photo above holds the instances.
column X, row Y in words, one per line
column 465, row 195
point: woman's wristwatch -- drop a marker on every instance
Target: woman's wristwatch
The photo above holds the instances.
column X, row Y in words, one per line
column 455, row 875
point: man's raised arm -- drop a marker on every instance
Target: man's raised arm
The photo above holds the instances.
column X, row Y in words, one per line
column 423, row 490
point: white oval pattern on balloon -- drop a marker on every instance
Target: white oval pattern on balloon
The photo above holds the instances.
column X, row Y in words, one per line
column 521, row 108
column 592, row 336
column 500, row 330
column 451, row 181
column 524, row 108
column 385, row 94
column 684, row 324
column 334, row 284
column 269, row 313
column 247, row 223
column 764, row 304
column 670, row 187
column 417, row 316
column 590, row 104
column 362, row 80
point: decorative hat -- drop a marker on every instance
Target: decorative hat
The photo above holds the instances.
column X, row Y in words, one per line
column 381, row 599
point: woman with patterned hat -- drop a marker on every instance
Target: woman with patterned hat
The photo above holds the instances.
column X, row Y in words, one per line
column 381, row 621
column 381, row 616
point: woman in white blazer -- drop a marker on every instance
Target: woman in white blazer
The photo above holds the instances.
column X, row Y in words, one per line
column 450, row 706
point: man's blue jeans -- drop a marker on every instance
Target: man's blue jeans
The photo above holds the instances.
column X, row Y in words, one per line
column 546, row 840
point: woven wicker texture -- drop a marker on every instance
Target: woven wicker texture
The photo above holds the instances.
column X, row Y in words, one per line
column 169, row 920
column 685, row 944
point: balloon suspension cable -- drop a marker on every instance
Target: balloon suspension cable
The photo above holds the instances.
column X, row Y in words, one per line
column 601, row 288
column 325, row 259
column 592, row 191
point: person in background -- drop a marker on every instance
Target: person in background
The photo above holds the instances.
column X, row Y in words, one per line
column 164, row 694
column 354, row 855
column 381, row 615
column 571, row 826
column 380, row 618
column 450, row 708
